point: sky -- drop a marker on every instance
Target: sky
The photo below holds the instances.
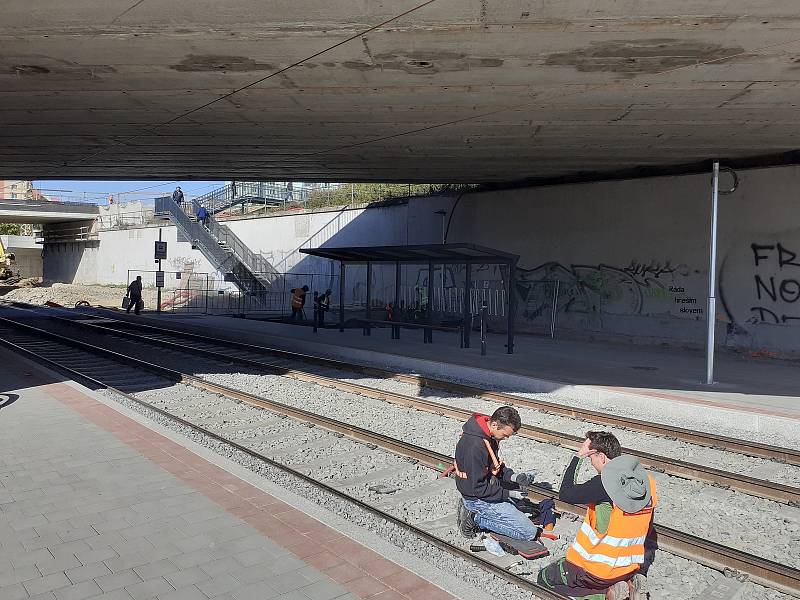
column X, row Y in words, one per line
column 98, row 191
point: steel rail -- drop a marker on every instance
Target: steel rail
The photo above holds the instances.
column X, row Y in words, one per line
column 750, row 448
column 711, row 554
column 742, row 483
column 499, row 571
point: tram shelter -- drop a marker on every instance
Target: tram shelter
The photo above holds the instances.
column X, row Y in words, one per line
column 466, row 255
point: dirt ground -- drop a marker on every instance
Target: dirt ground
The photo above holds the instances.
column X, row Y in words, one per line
column 66, row 294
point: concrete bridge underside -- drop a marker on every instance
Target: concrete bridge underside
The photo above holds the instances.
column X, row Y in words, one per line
column 452, row 90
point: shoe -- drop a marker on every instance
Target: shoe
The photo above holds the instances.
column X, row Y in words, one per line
column 466, row 521
column 637, row 587
column 618, row 591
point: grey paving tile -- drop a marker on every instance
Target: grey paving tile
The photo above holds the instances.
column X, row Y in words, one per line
column 69, row 548
column 86, row 572
column 13, row 592
column 127, row 561
column 78, row 591
column 133, row 546
column 19, row 575
column 323, row 590
column 56, row 565
column 286, row 582
column 44, row 541
column 186, row 593
column 219, row 585
column 218, row 567
column 186, row 577
column 252, row 574
column 47, row 583
column 192, row 559
column 255, row 591
column 115, row 581
column 98, row 555
column 149, row 589
column 157, row 568
column 120, row 594
column 27, row 559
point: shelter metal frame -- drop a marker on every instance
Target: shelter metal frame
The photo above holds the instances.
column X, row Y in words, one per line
column 430, row 254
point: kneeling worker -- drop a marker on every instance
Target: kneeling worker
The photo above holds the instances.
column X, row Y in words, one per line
column 610, row 546
column 485, row 503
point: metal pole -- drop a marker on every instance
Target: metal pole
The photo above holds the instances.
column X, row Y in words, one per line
column 158, row 289
column 483, row 328
column 396, row 312
column 368, row 328
column 430, row 302
column 467, row 309
column 341, row 296
column 555, row 308
column 712, row 278
column 512, row 306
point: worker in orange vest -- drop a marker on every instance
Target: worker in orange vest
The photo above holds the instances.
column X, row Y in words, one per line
column 609, row 548
column 298, row 302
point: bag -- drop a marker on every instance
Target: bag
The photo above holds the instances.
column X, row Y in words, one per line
column 126, row 302
column 139, row 304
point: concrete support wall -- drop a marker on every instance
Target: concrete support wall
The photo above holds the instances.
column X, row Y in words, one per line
column 632, row 256
column 108, row 260
column 27, row 253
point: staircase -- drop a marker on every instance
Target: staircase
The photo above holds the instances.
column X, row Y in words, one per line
column 251, row 272
column 252, row 192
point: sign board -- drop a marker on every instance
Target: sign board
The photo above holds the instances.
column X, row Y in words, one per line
column 177, row 274
column 159, row 279
column 161, row 251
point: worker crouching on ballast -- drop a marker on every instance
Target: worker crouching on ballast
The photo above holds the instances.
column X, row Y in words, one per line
column 485, row 483
column 606, row 557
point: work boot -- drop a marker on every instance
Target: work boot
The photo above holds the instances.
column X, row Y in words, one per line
column 618, row 591
column 637, row 587
column 466, row 521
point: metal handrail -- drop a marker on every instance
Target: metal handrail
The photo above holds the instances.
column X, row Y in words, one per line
column 240, row 191
column 255, row 263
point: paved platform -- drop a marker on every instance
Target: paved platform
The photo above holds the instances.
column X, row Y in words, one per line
column 94, row 504
column 562, row 367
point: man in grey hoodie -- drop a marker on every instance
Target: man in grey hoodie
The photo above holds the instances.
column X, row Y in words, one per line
column 485, row 503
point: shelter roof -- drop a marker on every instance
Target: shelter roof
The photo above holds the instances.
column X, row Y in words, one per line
column 437, row 253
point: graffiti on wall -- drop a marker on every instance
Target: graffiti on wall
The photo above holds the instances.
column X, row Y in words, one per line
column 639, row 288
column 183, row 264
column 776, row 284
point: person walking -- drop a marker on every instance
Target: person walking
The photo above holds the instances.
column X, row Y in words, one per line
column 298, row 302
column 135, row 295
column 177, row 196
column 485, row 502
column 324, row 305
column 203, row 216
column 609, row 549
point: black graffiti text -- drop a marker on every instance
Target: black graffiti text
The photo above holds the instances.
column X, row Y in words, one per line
column 781, row 289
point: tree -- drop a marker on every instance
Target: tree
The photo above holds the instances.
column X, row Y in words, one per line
column 10, row 229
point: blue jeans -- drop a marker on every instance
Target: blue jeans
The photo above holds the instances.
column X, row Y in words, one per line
column 501, row 517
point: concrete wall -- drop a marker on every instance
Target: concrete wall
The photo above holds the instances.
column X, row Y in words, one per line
column 279, row 238
column 108, row 260
column 28, row 254
column 632, row 256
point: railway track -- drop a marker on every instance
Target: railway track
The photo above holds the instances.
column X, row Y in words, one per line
column 250, row 356
column 789, row 456
column 104, row 368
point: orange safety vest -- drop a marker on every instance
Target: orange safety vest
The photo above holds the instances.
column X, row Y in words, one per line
column 620, row 550
column 297, row 298
column 496, row 464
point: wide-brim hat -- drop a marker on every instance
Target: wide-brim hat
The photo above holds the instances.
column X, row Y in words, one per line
column 626, row 481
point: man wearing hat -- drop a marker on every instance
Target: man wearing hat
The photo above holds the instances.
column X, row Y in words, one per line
column 610, row 545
